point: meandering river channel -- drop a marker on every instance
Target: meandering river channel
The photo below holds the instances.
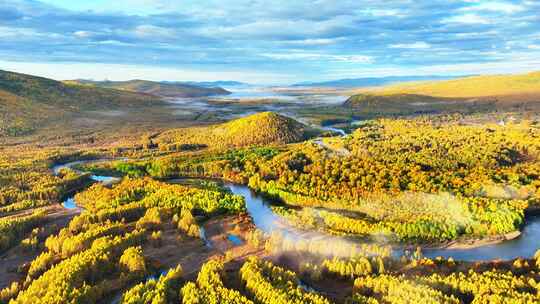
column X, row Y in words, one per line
column 266, row 220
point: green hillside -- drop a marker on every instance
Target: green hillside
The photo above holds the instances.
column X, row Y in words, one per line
column 157, row 88
column 258, row 129
column 27, row 102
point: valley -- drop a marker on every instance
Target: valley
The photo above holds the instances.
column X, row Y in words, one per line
column 266, row 195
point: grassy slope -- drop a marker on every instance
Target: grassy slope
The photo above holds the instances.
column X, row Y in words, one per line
column 27, row 102
column 470, row 87
column 156, row 88
column 469, row 94
column 258, row 129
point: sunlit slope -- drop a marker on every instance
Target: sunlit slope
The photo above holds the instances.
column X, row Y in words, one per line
column 403, row 104
column 157, row 88
column 68, row 95
column 469, row 94
column 26, row 102
column 525, row 85
column 257, row 129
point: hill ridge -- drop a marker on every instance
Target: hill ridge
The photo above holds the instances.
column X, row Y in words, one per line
column 163, row 89
column 264, row 128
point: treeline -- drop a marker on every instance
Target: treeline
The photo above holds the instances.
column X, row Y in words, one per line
column 161, row 291
column 14, row 229
column 27, row 181
column 272, row 284
column 209, row 287
column 97, row 253
column 77, row 279
column 152, row 193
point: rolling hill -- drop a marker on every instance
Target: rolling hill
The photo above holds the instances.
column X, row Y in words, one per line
column 373, row 105
column 164, row 89
column 264, row 128
column 469, row 94
column 526, row 85
column 27, row 102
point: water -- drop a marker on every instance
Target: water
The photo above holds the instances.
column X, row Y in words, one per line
column 306, row 287
column 57, row 168
column 250, row 99
column 255, row 93
column 158, row 275
column 292, row 96
column 202, row 235
column 236, row 240
column 336, row 130
column 70, row 203
column 266, row 220
column 523, row 246
column 107, row 180
column 263, row 217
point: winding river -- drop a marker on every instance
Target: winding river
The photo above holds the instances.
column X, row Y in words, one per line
column 266, row 220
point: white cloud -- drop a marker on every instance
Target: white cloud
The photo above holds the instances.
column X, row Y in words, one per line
column 477, row 34
column 102, row 71
column 152, row 31
column 315, row 41
column 533, row 47
column 417, row 45
column 23, row 33
column 467, row 19
column 320, row 57
column 517, row 62
column 12, row 32
column 82, row 34
column 113, row 42
column 383, row 12
column 498, row 7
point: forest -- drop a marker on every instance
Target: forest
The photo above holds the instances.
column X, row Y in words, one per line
column 162, row 232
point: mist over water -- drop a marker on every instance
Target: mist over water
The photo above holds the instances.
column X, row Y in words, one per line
column 294, row 239
column 290, row 238
column 244, row 100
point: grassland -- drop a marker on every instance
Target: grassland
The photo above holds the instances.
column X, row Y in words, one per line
column 476, row 94
column 165, row 89
column 29, row 102
column 503, row 86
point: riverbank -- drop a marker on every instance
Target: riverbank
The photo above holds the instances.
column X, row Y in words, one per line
column 472, row 243
column 463, row 248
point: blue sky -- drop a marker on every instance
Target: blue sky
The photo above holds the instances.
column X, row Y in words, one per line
column 267, row 41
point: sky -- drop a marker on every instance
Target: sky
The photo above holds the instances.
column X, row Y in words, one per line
column 271, row 42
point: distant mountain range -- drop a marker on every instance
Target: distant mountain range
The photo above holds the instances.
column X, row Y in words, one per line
column 370, row 81
column 164, row 89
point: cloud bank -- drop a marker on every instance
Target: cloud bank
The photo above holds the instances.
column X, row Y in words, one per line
column 277, row 41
